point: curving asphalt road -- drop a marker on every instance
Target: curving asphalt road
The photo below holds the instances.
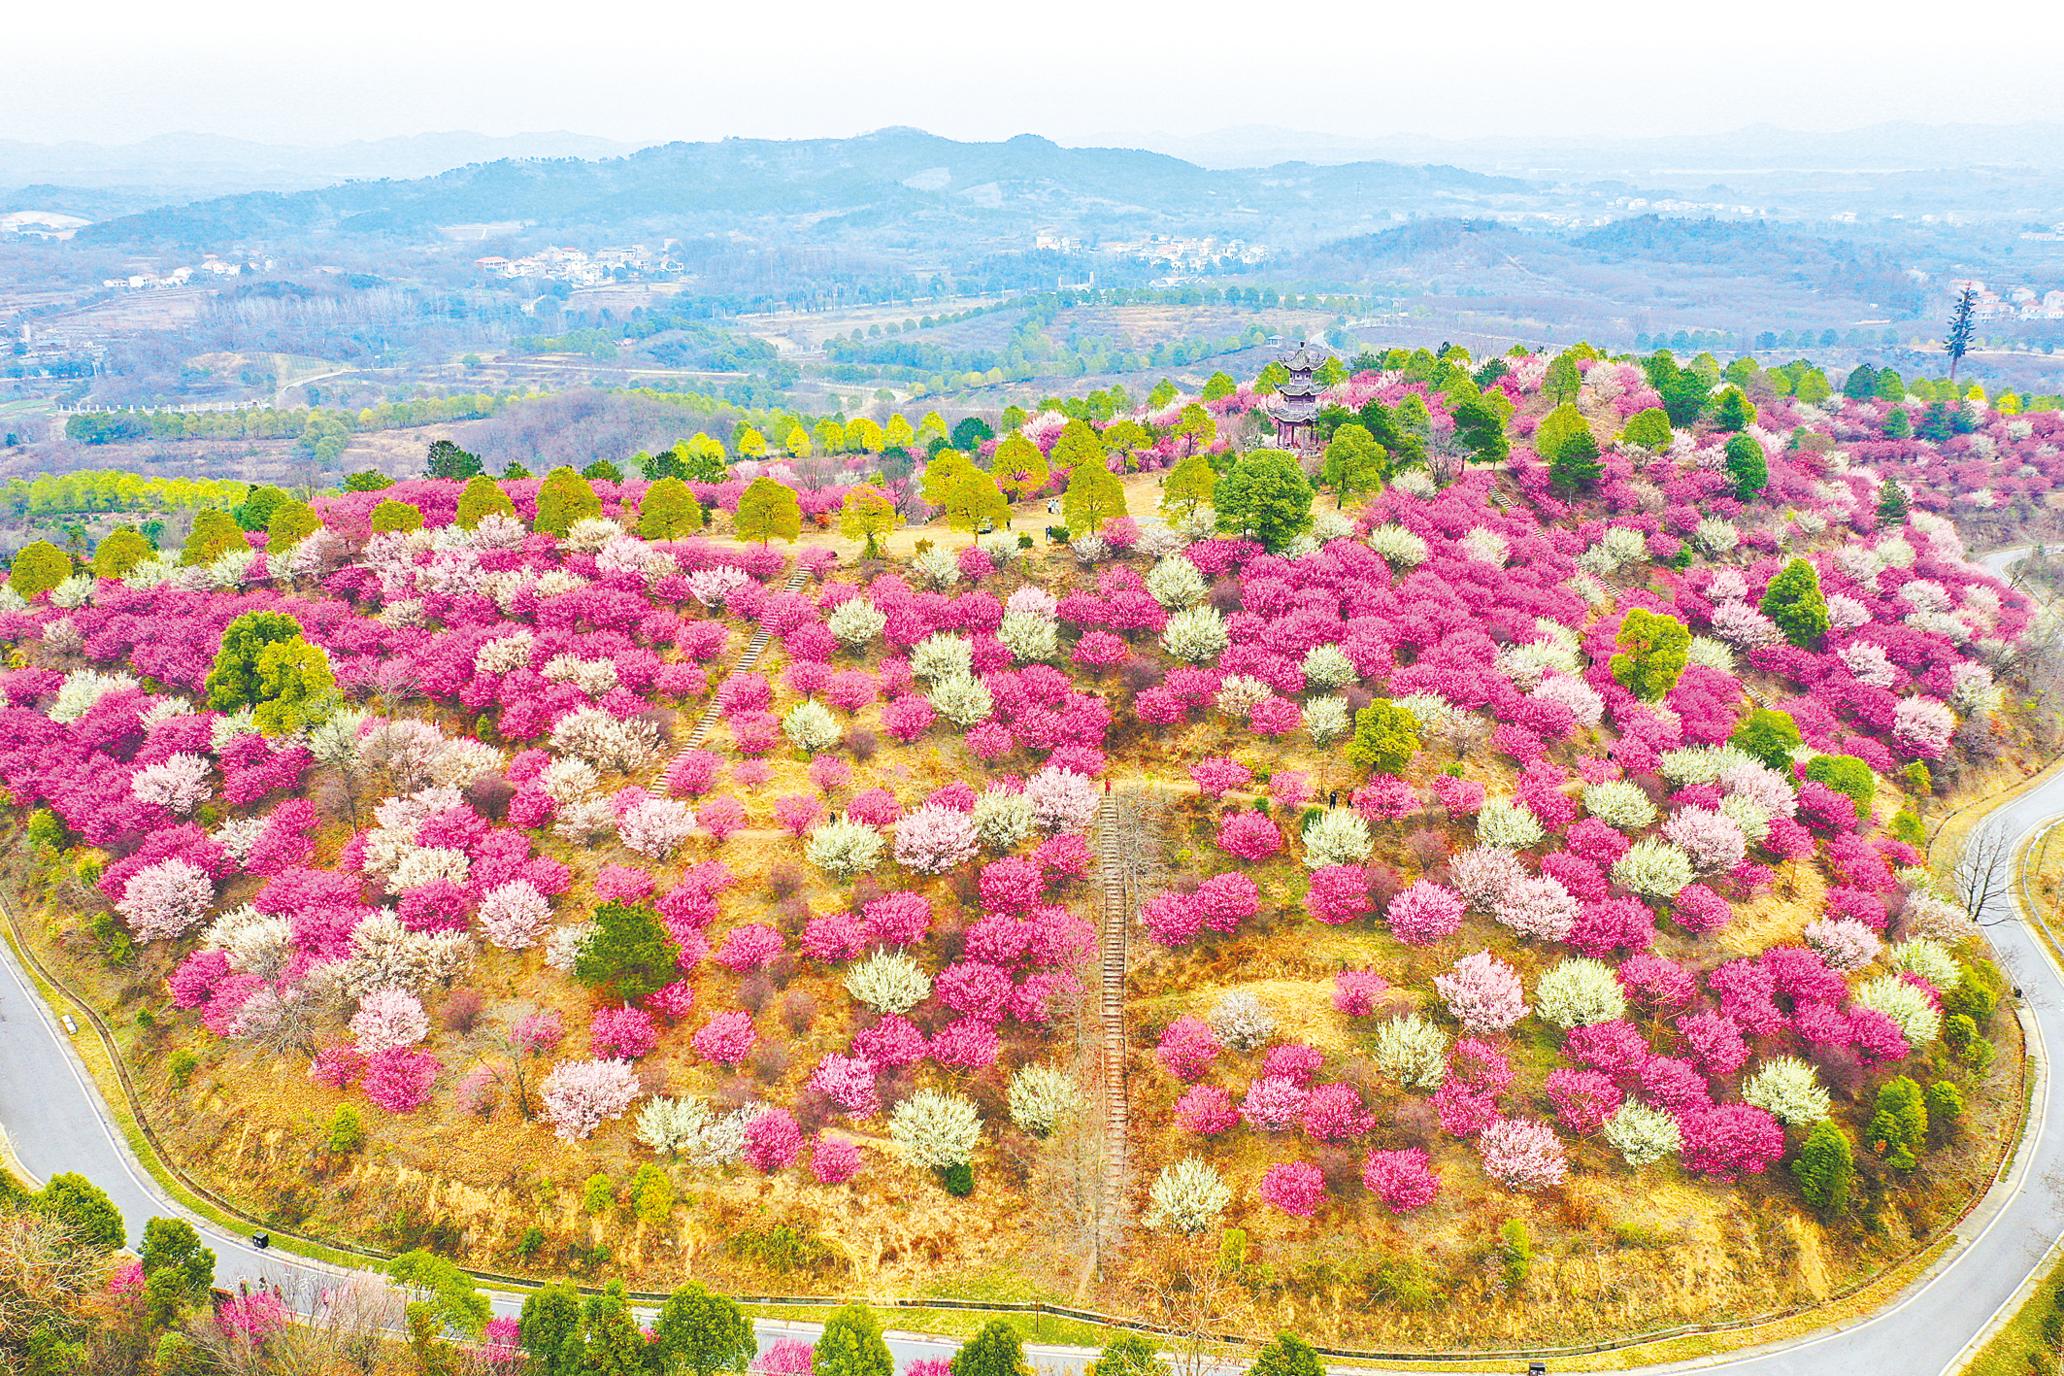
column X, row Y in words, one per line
column 56, row 1121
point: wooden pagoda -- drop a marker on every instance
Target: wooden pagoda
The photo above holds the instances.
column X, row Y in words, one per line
column 1295, row 406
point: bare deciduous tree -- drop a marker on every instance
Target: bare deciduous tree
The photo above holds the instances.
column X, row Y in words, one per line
column 1068, row 1183
column 1190, row 1294
column 46, row 1273
column 1981, row 871
column 354, row 1318
column 500, row 1048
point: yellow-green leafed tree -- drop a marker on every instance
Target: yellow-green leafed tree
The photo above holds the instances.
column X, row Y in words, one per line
column 1188, row 486
column 38, row 567
column 1079, row 445
column 291, row 522
column 940, row 474
column 564, row 498
column 1021, row 470
column 972, row 501
column 1094, row 496
column 669, row 511
column 392, row 515
column 867, row 514
column 483, row 497
column 863, row 436
column 120, row 552
column 768, row 510
column 297, row 689
column 214, row 534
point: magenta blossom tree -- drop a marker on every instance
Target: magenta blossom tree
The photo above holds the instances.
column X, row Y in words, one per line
column 1295, row 1187
column 1403, row 1180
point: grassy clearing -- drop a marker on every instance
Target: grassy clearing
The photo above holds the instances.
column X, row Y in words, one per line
column 954, row 1323
column 2019, row 1348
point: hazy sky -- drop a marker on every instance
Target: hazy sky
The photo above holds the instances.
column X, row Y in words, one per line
column 647, row 72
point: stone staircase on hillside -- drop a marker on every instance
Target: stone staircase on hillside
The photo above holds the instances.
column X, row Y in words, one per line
column 754, row 648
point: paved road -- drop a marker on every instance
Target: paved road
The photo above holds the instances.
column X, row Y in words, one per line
column 54, row 1117
column 54, row 1120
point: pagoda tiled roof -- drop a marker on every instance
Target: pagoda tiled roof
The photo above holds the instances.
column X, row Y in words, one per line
column 1303, row 360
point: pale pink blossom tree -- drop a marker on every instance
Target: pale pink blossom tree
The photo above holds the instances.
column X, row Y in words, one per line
column 1483, row 993
column 579, row 1096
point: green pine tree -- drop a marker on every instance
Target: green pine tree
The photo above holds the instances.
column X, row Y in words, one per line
column 701, row 1333
column 630, row 955
column 1575, row 467
column 1898, row 1126
column 1793, row 600
column 995, row 1351
column 1480, row 429
column 446, row 460
column 235, row 680
column 1286, row 1354
column 1771, row 736
column 851, row 1345
column 1747, row 465
column 1825, row 1167
column 549, row 1330
column 1733, row 411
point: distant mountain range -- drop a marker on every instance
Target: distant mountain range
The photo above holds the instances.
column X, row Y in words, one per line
column 836, row 185
column 187, row 166
column 190, row 165
column 1761, row 147
column 1296, row 186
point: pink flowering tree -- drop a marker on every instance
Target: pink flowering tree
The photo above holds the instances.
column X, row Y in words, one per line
column 1424, row 914
column 626, row 1033
column 1729, row 1141
column 1583, row 1099
column 1356, row 992
column 726, row 1039
column 1482, row 993
column 399, row 1079
column 1295, row 1187
column 1522, row 1154
column 1206, row 1111
column 834, row 1160
column 772, row 1140
column 579, row 1096
column 1188, row 1047
column 1404, row 1180
column 1249, row 836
